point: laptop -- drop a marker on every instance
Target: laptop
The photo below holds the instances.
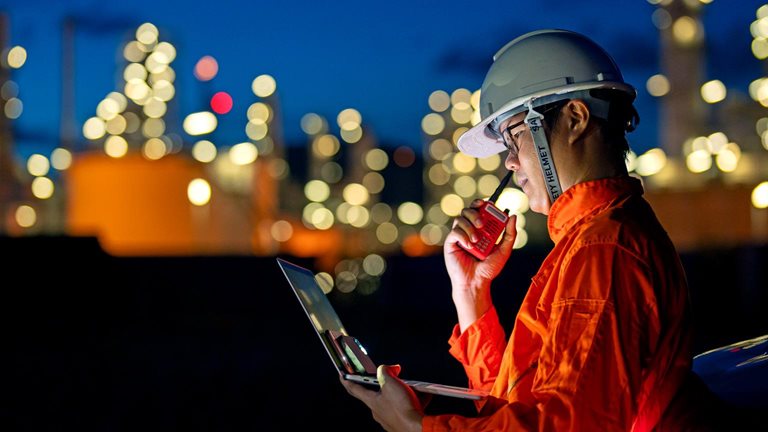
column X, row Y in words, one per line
column 347, row 353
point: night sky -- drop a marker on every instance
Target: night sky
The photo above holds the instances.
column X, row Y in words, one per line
column 381, row 58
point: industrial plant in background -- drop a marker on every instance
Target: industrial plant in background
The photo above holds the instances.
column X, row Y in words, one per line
column 147, row 179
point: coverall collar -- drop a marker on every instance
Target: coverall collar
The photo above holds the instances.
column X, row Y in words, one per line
column 583, row 199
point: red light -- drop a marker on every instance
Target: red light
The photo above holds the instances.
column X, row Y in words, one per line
column 206, row 68
column 221, row 103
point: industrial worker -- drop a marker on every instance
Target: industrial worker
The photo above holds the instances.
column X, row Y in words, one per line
column 603, row 338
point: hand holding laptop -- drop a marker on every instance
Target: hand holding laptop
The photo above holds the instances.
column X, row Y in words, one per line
column 396, row 406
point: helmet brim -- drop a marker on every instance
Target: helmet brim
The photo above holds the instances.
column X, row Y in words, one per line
column 481, row 141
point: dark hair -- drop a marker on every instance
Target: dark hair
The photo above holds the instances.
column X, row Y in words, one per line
column 622, row 118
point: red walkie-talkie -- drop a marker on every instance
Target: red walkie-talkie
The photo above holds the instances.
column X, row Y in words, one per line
column 494, row 222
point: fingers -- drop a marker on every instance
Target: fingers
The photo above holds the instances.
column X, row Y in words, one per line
column 510, row 234
column 359, row 391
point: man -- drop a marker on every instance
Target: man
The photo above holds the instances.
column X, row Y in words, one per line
column 603, row 338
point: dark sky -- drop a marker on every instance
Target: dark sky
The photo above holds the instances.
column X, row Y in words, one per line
column 381, row 58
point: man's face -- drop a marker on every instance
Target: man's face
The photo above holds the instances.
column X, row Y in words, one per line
column 523, row 160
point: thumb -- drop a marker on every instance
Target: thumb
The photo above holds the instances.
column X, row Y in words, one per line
column 510, row 234
column 384, row 372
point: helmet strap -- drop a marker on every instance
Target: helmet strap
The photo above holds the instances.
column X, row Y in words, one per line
column 535, row 120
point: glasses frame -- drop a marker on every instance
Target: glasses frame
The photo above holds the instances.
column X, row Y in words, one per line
column 511, row 142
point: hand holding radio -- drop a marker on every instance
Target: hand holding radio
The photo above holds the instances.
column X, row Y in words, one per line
column 493, row 221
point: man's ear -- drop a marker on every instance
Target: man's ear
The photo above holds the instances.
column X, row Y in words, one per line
column 576, row 115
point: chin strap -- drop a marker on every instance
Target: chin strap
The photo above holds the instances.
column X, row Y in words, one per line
column 534, row 120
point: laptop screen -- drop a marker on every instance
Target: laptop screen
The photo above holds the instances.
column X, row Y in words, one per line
column 315, row 303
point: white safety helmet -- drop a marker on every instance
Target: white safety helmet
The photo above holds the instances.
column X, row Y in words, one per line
column 539, row 68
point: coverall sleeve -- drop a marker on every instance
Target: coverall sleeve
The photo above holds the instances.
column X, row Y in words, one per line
column 480, row 349
column 588, row 368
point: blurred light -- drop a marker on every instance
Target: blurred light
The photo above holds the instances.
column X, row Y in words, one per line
column 514, row 200
column 325, row 145
column 165, row 52
column 436, row 216
column 317, row 190
column 651, row 162
column 306, row 213
column 440, row 149
column 153, row 127
column 206, row 68
column 243, row 153
column 332, row 172
column 487, row 184
column 761, row 125
column 322, row 218
column 25, row 216
column 464, row 163
column 760, row 48
column 376, row 159
column 760, row 195
column 154, row 149
column 61, row 158
column 279, row 169
column 431, row 234
column 204, row 151
column 410, row 213
column 374, row 182
column 132, row 122
column 94, row 128
column 260, row 111
column 133, row 53
column 759, row 28
column 717, row 141
column 461, row 112
column 137, row 90
column 256, row 129
column 346, row 282
column 460, row 95
column 199, row 192
column 404, row 156
column 438, row 175
column 451, row 204
column 263, row 86
column 374, row 265
column 115, row 146
column 13, row 108
column 349, row 119
column 439, row 101
column 325, row 281
column 657, row 85
column 381, row 212
column 154, row 108
column 38, row 165
column 631, row 161
column 762, row 11
column 312, row 124
column 135, row 71
column 490, row 163
column 341, row 212
column 200, row 123
column 661, row 19
column 387, row 233
column 17, row 56
column 281, row 231
column 9, row 90
column 686, row 30
column 42, row 187
column 727, row 159
column 358, row 216
column 221, row 103
column 119, row 99
column 432, row 124
column 116, row 125
column 107, row 109
column 465, row 186
column 764, row 139
column 698, row 161
column 352, row 136
column 355, row 194
column 713, row 91
column 521, row 239
column 147, row 34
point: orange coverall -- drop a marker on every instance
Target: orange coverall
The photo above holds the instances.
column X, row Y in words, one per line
column 602, row 340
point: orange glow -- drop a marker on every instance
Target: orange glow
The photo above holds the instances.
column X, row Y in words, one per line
column 414, row 246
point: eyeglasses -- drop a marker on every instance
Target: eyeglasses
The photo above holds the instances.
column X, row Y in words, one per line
column 511, row 134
